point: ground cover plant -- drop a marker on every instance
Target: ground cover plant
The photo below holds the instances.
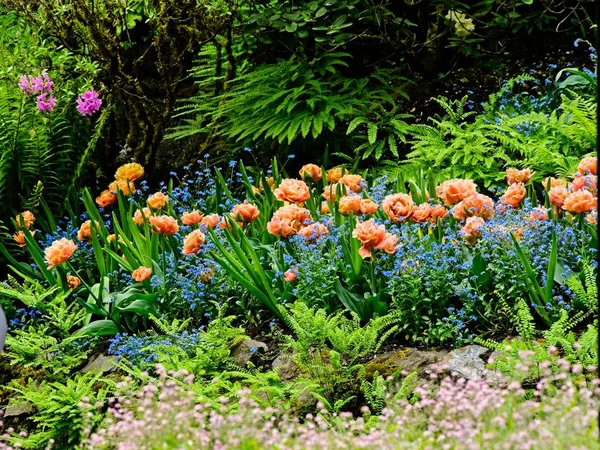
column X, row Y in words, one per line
column 301, row 255
column 295, row 225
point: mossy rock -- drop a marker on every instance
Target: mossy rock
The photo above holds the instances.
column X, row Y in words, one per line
column 408, row 359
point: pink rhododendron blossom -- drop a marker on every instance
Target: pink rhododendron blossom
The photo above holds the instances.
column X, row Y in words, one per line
column 88, row 103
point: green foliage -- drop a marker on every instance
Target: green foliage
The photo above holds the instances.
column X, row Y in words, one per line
column 375, row 392
column 38, row 152
column 328, row 350
column 59, row 408
column 294, row 101
column 523, row 357
column 480, row 146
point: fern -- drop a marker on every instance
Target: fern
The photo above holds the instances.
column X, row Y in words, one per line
column 375, row 392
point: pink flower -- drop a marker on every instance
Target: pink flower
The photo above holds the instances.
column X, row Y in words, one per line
column 34, row 85
column 88, row 103
column 290, row 275
column 44, row 103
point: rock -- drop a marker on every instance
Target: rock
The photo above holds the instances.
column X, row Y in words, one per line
column 101, row 363
column 18, row 410
column 468, row 362
column 248, row 351
column 408, row 360
column 285, row 368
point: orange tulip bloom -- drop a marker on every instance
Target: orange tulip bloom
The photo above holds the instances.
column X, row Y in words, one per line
column 453, row 191
column 19, row 237
column 350, row 204
column 106, row 198
column 352, row 182
column 288, row 220
column 157, row 201
column 85, row 232
column 587, row 182
column 557, row 195
column 579, row 202
column 398, row 207
column 313, row 231
column 289, row 275
column 166, row 225
column 245, row 212
column 311, row 172
column 334, row 175
column 129, row 172
column 330, row 192
column 210, row 221
column 27, row 217
column 539, row 213
column 368, row 206
column 193, row 242
column 588, row 166
column 141, row 274
column 138, row 217
column 191, row 218
column 472, row 228
column 518, row 176
column 59, row 252
column 514, row 195
column 421, row 213
column 73, row 282
column 476, row 205
column 293, row 191
column 125, row 186
column 437, row 212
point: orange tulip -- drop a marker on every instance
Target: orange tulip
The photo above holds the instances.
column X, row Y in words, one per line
column 59, row 252
column 313, row 231
column 292, row 190
column 579, row 202
column 157, row 201
column 368, row 206
column 557, row 195
column 288, row 220
column 476, row 205
column 421, row 213
column 141, row 274
column 245, row 212
column 588, row 166
column 193, row 242
column 311, row 172
column 352, row 182
column 19, row 237
column 398, row 207
column 453, row 191
column 539, row 213
column 350, row 204
column 129, row 172
column 210, row 221
column 514, row 195
column 138, row 217
column 27, row 217
column 166, row 225
column 125, row 186
column 191, row 218
column 472, row 228
column 106, row 198
column 518, row 176
column 73, row 282
column 334, row 175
